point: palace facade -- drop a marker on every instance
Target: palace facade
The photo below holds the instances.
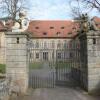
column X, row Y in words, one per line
column 50, row 38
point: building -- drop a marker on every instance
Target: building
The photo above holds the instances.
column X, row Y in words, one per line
column 50, row 39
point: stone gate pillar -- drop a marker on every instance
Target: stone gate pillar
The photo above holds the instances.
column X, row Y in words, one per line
column 90, row 59
column 93, row 52
column 17, row 60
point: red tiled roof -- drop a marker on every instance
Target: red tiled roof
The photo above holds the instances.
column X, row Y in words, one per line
column 97, row 20
column 53, row 28
column 50, row 29
column 9, row 24
column 2, row 28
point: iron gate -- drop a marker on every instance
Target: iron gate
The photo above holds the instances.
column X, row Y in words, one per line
column 46, row 72
column 42, row 77
column 63, row 67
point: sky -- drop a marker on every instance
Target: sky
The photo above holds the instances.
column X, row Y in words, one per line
column 51, row 10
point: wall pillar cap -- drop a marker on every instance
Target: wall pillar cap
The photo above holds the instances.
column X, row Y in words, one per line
column 89, row 34
column 27, row 34
column 93, row 33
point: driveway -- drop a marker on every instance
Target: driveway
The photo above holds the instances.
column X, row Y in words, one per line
column 57, row 94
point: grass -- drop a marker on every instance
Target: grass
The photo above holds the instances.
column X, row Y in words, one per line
column 36, row 65
column 39, row 65
column 61, row 64
column 2, row 68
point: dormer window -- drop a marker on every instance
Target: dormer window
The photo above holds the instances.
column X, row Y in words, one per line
column 62, row 27
column 44, row 33
column 51, row 27
column 74, row 28
column 58, row 33
column 69, row 33
column 36, row 27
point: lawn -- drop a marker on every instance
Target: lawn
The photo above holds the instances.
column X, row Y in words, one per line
column 61, row 64
column 36, row 65
column 2, row 68
column 40, row 65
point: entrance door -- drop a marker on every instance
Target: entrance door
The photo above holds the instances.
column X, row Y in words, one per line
column 45, row 55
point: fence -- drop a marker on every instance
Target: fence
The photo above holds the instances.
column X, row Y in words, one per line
column 4, row 89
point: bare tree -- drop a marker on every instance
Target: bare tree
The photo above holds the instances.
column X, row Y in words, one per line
column 76, row 9
column 80, row 7
column 92, row 4
column 12, row 7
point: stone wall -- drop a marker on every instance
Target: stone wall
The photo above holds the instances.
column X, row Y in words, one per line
column 2, row 48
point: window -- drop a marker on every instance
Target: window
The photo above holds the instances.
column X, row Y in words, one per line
column 44, row 33
column 30, row 55
column 32, row 45
column 36, row 27
column 59, row 55
column 45, row 45
column 65, row 45
column 37, row 44
column 94, row 41
column 37, row 55
column 45, row 55
column 59, row 44
column 74, row 28
column 58, row 33
column 52, row 55
column 53, row 44
column 51, row 27
column 62, row 27
column 69, row 33
column 71, row 55
column 17, row 40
